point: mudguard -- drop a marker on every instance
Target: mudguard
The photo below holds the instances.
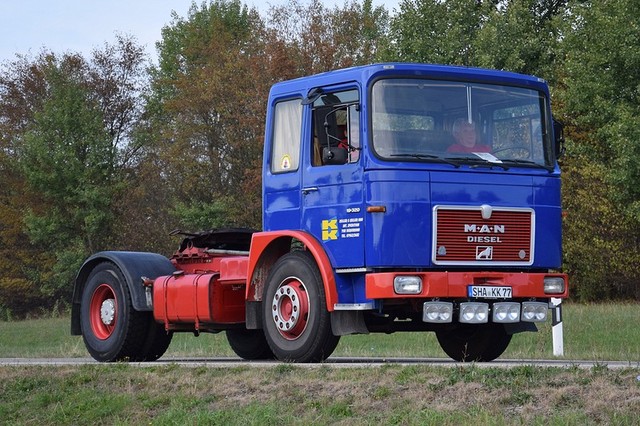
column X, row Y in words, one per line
column 268, row 247
column 133, row 265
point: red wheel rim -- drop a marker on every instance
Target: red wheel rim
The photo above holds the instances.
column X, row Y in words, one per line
column 103, row 311
column 290, row 308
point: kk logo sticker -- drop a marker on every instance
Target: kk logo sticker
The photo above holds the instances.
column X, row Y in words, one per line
column 330, row 229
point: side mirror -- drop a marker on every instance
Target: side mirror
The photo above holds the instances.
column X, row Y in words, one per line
column 334, row 155
column 558, row 136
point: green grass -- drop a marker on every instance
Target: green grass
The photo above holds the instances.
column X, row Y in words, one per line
column 592, row 332
column 122, row 394
column 416, row 395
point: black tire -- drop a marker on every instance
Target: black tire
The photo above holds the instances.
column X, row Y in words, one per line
column 249, row 344
column 296, row 323
column 499, row 342
column 470, row 342
column 156, row 343
column 111, row 329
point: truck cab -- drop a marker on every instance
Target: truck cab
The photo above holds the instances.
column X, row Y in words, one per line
column 421, row 230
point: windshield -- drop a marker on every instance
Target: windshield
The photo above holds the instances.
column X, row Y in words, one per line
column 462, row 122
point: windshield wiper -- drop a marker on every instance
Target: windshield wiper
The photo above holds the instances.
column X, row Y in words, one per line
column 478, row 162
column 528, row 163
column 428, row 157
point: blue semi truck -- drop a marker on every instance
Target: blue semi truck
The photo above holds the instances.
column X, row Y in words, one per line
column 396, row 197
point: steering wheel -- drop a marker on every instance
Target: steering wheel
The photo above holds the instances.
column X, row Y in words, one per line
column 514, row 148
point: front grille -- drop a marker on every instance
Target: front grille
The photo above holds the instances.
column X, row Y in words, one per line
column 463, row 236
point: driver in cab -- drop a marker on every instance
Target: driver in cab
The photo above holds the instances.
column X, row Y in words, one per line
column 466, row 138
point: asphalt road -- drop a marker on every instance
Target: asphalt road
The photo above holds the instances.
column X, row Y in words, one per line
column 334, row 362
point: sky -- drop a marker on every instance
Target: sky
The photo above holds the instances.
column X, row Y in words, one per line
column 28, row 26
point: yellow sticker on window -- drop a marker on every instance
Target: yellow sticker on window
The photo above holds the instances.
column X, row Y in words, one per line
column 285, row 164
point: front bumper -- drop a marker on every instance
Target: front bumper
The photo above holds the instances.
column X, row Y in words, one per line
column 452, row 296
column 455, row 284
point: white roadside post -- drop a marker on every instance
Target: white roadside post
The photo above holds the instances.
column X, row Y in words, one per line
column 556, row 328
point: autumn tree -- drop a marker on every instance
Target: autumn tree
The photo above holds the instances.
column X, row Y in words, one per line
column 602, row 110
column 19, row 259
column 119, row 81
column 515, row 35
column 102, row 152
column 435, row 31
column 204, row 112
column 19, row 289
column 313, row 38
column 67, row 159
column 522, row 36
column 66, row 126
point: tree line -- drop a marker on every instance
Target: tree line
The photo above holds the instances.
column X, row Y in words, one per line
column 114, row 151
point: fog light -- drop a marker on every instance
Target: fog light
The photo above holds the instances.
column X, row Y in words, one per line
column 474, row 312
column 407, row 284
column 534, row 311
column 437, row 312
column 506, row 312
column 553, row 285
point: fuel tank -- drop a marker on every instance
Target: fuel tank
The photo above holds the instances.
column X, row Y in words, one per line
column 200, row 300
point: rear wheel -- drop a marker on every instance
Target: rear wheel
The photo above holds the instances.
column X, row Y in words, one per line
column 297, row 325
column 471, row 342
column 249, row 344
column 156, row 343
column 111, row 329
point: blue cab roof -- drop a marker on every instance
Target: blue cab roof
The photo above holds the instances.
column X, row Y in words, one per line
column 367, row 73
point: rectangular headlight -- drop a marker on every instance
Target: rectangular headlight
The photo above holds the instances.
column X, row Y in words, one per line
column 437, row 312
column 474, row 312
column 534, row 311
column 407, row 284
column 553, row 285
column 506, row 312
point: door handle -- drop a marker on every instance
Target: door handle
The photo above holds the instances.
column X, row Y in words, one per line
column 306, row 191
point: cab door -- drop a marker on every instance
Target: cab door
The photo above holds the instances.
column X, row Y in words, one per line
column 332, row 188
column 282, row 166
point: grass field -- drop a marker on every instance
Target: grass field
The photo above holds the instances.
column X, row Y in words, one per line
column 592, row 332
column 287, row 394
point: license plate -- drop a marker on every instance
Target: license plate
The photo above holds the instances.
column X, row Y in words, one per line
column 490, row 292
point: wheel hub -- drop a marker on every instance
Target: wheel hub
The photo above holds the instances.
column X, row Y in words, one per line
column 290, row 310
column 108, row 311
column 103, row 311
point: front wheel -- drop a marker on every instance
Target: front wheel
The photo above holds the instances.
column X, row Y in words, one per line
column 111, row 329
column 297, row 325
column 467, row 342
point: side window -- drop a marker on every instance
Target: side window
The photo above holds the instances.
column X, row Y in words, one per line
column 336, row 128
column 353, row 132
column 287, row 128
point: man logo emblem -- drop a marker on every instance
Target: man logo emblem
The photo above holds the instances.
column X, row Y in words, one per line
column 484, row 253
